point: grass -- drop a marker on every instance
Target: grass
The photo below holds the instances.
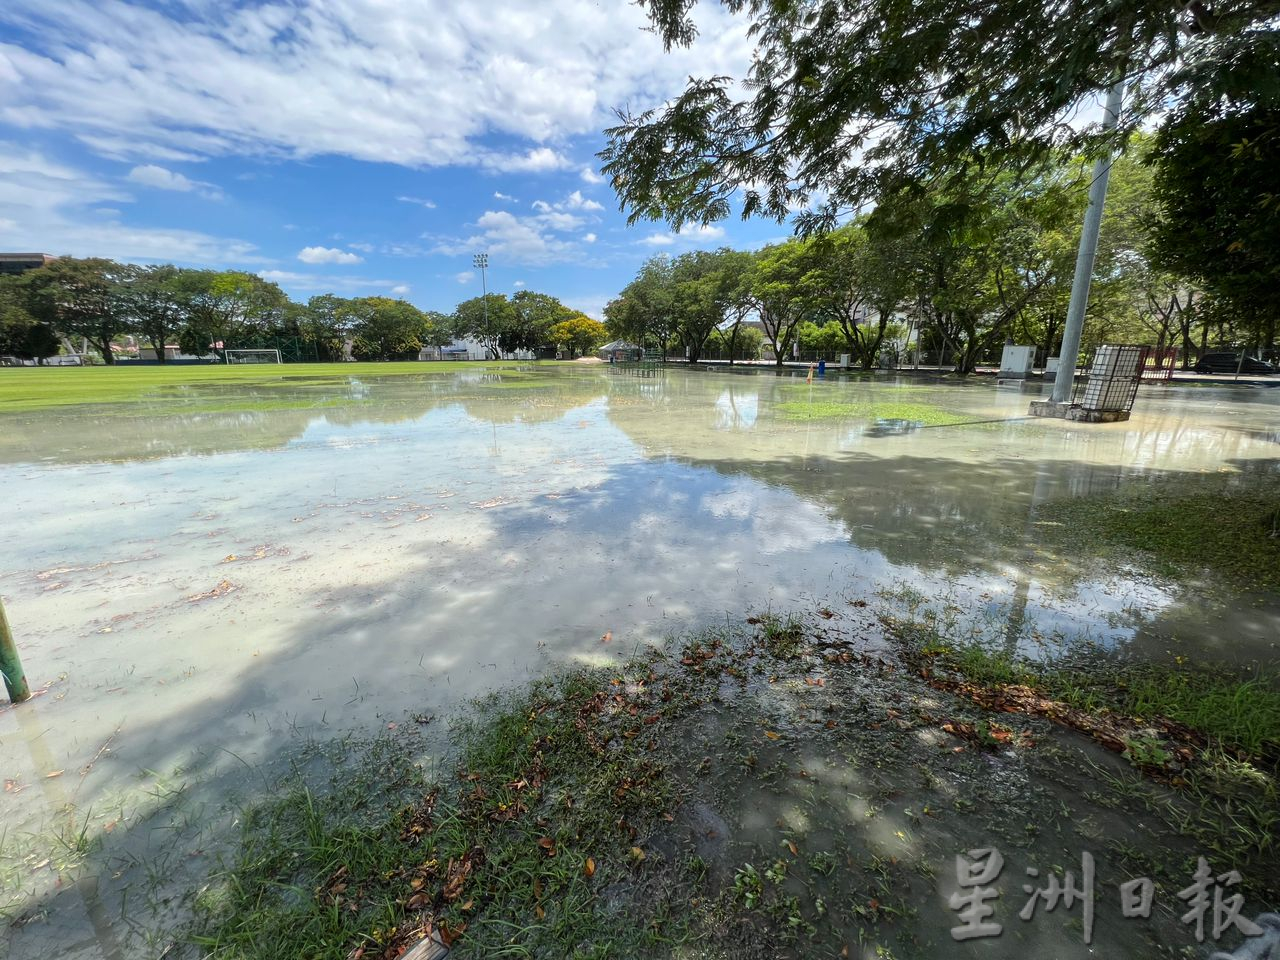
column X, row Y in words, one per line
column 511, row 849
column 1239, row 713
column 1180, row 528
column 798, row 404
column 556, row 829
column 24, row 389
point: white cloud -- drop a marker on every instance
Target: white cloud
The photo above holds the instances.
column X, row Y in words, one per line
column 429, row 204
column 417, row 84
column 589, row 238
column 518, row 284
column 524, row 240
column 400, row 289
column 362, row 247
column 327, row 255
column 589, row 175
column 466, row 276
column 330, row 283
column 576, row 201
column 50, row 207
column 687, row 236
column 702, row 233
column 151, row 175
column 537, row 160
column 506, row 197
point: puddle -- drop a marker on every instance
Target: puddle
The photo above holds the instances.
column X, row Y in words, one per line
column 195, row 581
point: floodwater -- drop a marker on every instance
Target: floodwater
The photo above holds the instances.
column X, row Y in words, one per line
column 196, row 580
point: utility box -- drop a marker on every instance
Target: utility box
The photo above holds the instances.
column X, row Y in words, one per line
column 1016, row 361
column 1051, row 367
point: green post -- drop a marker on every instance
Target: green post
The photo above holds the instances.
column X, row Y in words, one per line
column 15, row 680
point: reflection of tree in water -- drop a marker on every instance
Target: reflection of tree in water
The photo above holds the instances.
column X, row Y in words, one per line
column 208, row 418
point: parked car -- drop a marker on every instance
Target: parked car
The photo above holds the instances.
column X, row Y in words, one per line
column 1229, row 362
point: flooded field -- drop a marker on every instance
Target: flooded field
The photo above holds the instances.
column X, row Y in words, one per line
column 201, row 579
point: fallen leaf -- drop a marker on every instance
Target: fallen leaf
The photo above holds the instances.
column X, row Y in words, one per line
column 637, row 854
column 589, row 868
column 791, row 845
column 773, row 736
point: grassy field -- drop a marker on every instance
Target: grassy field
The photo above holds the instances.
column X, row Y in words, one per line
column 23, row 389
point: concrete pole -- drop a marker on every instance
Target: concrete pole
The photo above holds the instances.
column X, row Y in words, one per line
column 15, row 681
column 1084, row 258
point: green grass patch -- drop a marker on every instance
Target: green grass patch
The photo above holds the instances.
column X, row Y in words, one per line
column 1179, row 528
column 865, row 409
column 1239, row 713
column 553, row 790
column 826, row 403
column 23, row 389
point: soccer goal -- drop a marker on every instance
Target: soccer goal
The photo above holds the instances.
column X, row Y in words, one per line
column 252, row 356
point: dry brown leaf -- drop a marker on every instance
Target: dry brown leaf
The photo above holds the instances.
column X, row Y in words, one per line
column 773, row 736
column 589, row 868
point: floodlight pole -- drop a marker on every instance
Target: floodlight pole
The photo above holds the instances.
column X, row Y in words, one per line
column 15, row 681
column 481, row 261
column 1074, row 327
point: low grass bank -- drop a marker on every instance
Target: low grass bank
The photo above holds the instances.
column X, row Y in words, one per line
column 772, row 789
column 925, row 414
column 23, row 389
column 1181, row 528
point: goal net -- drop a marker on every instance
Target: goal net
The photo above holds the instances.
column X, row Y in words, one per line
column 252, row 356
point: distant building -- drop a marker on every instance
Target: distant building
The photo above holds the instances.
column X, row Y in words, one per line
column 11, row 263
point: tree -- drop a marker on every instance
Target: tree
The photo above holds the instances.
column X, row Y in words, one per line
column 21, row 335
column 487, row 319
column 227, row 307
column 326, row 322
column 579, row 333
column 384, row 329
column 439, row 329
column 859, row 101
column 642, row 311
column 1214, row 181
column 698, row 298
column 533, row 315
column 156, row 303
column 776, row 294
column 82, row 298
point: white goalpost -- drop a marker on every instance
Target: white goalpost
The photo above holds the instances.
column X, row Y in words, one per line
column 252, row 356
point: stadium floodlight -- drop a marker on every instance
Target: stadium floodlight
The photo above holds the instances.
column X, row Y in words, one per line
column 481, row 262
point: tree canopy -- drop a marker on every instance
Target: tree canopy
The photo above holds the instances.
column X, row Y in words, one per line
column 847, row 103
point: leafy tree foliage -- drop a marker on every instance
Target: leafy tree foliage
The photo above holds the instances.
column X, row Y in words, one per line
column 80, row 298
column 488, row 320
column 1215, row 179
column 384, row 329
column 855, row 102
column 579, row 333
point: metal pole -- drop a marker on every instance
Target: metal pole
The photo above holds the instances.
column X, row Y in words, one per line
column 1084, row 258
column 15, row 681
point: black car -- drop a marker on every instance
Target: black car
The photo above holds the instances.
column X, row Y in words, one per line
column 1228, row 362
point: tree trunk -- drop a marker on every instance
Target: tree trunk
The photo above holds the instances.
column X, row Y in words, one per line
column 733, row 343
column 108, row 357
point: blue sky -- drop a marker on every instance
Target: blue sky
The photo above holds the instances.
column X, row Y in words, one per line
column 349, row 146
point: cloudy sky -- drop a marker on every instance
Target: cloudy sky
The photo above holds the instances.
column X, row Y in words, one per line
column 352, row 146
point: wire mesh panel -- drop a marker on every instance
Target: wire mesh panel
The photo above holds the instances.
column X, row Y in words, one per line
column 1114, row 376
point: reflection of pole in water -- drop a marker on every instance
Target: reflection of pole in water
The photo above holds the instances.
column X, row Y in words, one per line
column 64, row 807
column 1017, row 618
